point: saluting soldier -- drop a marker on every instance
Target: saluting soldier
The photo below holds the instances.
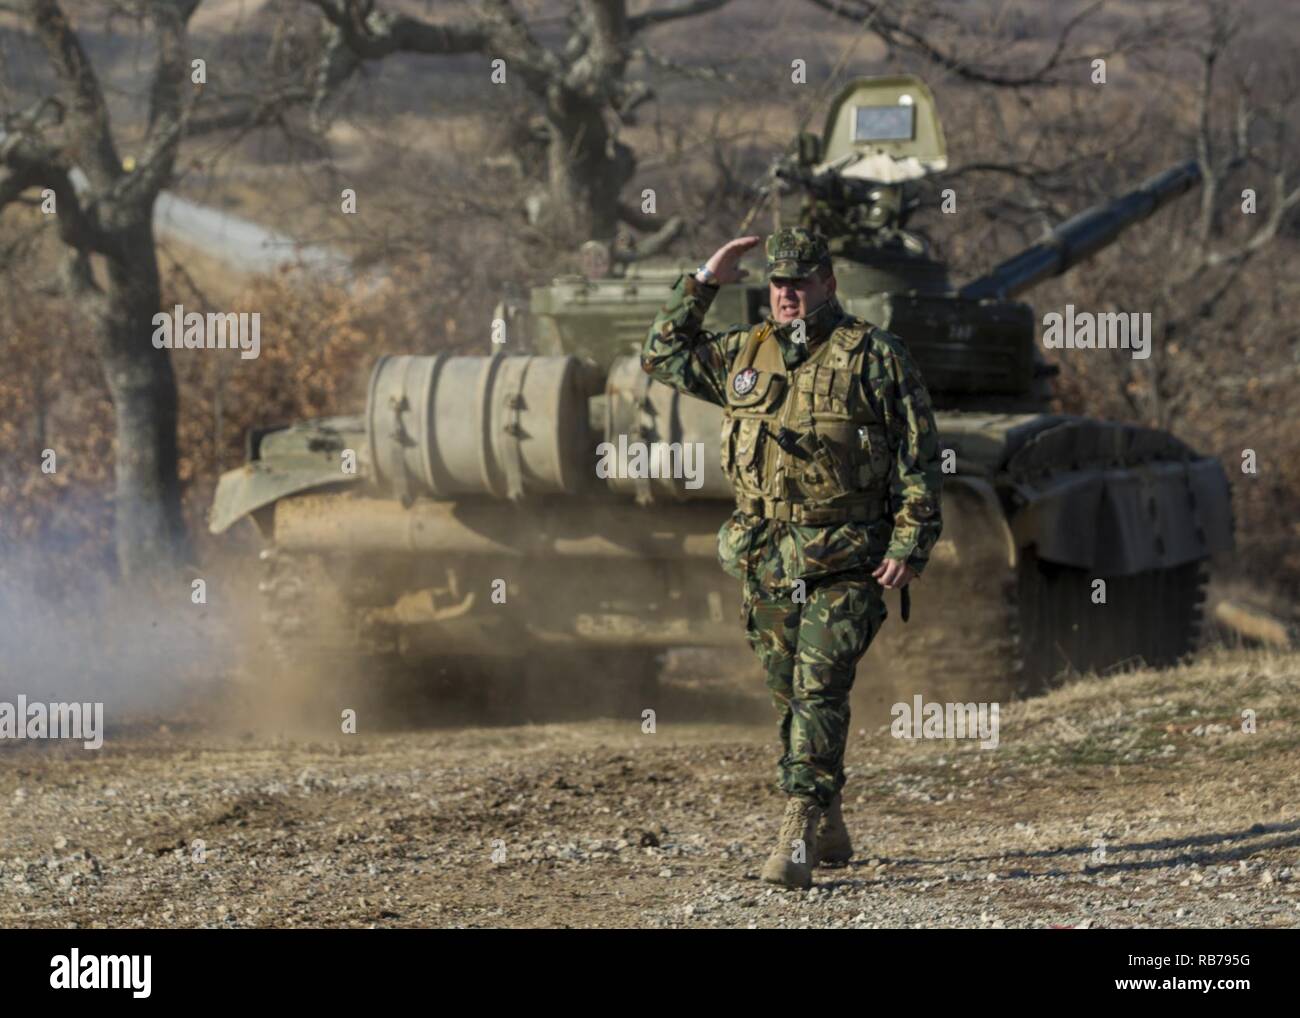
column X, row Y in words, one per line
column 830, row 444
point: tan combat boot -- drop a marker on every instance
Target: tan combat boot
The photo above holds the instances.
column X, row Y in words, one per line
column 798, row 825
column 833, row 845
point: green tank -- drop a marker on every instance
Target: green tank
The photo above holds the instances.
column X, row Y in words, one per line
column 498, row 508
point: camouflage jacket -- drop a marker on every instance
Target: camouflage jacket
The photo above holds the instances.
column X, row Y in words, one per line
column 772, row 553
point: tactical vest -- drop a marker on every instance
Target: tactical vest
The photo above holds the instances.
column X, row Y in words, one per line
column 804, row 445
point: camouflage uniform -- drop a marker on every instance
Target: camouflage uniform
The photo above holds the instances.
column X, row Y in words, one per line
column 832, row 451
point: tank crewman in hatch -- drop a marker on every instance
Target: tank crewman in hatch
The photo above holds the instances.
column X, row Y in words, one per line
column 830, row 444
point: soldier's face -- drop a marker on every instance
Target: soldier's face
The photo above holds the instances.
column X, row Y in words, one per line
column 797, row 298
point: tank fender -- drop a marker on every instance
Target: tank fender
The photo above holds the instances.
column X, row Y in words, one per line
column 260, row 483
column 1154, row 515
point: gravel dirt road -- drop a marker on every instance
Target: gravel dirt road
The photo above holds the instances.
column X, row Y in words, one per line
column 1131, row 801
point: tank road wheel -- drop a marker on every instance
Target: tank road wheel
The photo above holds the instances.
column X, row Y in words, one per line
column 1151, row 618
column 314, row 632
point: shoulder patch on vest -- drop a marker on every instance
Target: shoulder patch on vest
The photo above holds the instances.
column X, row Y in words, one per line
column 744, row 381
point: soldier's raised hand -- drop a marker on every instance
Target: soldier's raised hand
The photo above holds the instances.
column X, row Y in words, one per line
column 724, row 263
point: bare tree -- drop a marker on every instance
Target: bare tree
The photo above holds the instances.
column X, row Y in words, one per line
column 582, row 88
column 1246, row 148
column 112, row 218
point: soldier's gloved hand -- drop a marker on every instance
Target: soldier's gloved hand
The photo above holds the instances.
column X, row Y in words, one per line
column 894, row 573
column 724, row 262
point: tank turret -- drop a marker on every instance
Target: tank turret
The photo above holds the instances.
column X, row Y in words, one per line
column 860, row 182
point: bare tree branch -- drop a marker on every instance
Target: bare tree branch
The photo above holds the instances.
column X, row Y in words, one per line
column 92, row 137
column 168, row 111
column 509, row 34
column 372, row 34
column 245, row 112
column 892, row 27
column 603, row 59
column 707, row 73
column 663, row 15
column 27, row 162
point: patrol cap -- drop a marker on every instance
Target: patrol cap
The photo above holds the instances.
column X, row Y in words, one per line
column 796, row 253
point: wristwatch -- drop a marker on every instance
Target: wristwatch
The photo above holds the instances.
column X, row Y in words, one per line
column 709, row 278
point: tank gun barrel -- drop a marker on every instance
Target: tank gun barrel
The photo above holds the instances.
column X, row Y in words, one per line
column 1082, row 236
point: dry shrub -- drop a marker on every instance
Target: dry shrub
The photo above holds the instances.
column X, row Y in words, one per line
column 52, row 396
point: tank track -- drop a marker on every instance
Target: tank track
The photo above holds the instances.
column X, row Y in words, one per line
column 309, row 621
column 315, row 622
column 1152, row 618
column 992, row 635
column 996, row 634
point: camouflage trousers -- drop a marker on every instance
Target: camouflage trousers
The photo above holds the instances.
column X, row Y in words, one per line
column 810, row 653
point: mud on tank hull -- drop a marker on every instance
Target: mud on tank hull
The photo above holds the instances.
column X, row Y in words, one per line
column 1037, row 508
